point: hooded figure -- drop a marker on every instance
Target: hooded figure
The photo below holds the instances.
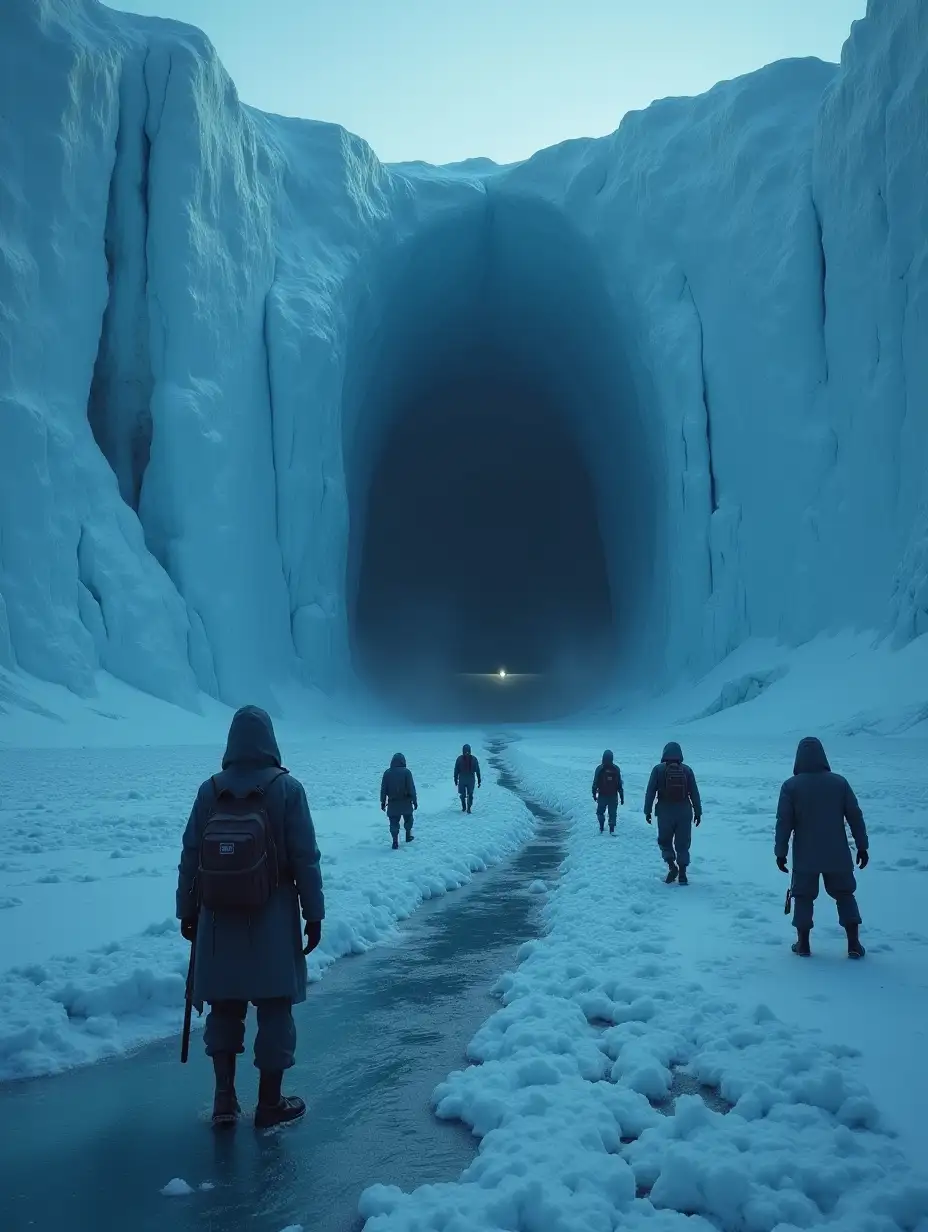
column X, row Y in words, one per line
column 253, row 953
column 466, row 773
column 673, row 783
column 608, row 790
column 813, row 807
column 398, row 797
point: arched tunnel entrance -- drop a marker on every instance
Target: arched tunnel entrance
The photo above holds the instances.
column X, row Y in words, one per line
column 500, row 492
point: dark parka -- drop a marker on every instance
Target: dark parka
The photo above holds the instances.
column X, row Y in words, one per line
column 466, row 769
column 813, row 807
column 250, row 956
column 670, row 811
column 608, row 760
column 398, row 788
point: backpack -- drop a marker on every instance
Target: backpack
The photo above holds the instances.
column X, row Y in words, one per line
column 609, row 781
column 676, row 788
column 239, row 869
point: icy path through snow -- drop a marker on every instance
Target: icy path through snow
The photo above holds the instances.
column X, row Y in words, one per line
column 639, row 991
column 374, row 1038
column 91, row 962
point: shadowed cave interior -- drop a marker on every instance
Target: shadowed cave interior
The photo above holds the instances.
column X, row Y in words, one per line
column 497, row 475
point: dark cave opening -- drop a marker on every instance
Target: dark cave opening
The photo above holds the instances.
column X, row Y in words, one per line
column 502, row 498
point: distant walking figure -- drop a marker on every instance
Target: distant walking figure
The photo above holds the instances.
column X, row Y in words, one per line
column 466, row 774
column 678, row 806
column 398, row 798
column 608, row 791
column 813, row 807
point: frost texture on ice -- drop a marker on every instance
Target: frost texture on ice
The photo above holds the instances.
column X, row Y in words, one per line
column 186, row 412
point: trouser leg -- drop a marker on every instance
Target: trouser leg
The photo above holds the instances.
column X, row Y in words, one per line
column 612, row 807
column 841, row 887
column 805, row 892
column 275, row 1043
column 601, row 812
column 682, row 839
column 225, row 1028
column 665, row 832
column 394, row 826
column 407, row 823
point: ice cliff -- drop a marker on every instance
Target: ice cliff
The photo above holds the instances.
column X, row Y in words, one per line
column 207, row 314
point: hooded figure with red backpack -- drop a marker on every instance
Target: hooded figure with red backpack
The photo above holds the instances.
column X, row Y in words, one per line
column 466, row 774
column 608, row 790
column 673, row 784
column 249, row 864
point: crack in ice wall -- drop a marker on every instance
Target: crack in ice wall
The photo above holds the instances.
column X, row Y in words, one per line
column 213, row 280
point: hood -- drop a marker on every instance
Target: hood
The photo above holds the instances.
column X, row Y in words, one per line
column 398, row 762
column 810, row 757
column 466, row 748
column 251, row 739
column 607, row 757
column 672, row 752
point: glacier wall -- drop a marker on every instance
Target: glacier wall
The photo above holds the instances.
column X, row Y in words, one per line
column 208, row 315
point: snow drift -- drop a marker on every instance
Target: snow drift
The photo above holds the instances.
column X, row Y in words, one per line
column 208, row 317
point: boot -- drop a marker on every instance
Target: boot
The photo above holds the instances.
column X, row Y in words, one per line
column 602, row 827
column 612, row 829
column 226, row 1107
column 409, row 836
column 468, row 808
column 274, row 1108
column 801, row 944
column 684, row 880
column 854, row 948
column 463, row 805
column 396, row 842
column 672, row 874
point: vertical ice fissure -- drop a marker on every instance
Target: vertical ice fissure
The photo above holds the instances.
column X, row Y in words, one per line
column 822, row 281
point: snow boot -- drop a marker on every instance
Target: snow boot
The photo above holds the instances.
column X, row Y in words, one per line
column 396, row 842
column 410, row 837
column 801, row 944
column 602, row 827
column 463, row 806
column 274, row 1108
column 854, row 948
column 226, row 1108
column 672, row 874
column 468, row 808
column 684, row 880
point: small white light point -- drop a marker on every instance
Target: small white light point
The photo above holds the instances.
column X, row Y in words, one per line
column 502, row 672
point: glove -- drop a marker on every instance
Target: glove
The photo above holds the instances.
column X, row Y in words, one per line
column 415, row 807
column 781, row 864
column 647, row 818
column 696, row 821
column 313, row 931
column 188, row 928
column 479, row 784
column 594, row 795
column 863, row 858
column 383, row 806
column 622, row 801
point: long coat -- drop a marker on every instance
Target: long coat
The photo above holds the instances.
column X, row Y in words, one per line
column 813, row 807
column 250, row 956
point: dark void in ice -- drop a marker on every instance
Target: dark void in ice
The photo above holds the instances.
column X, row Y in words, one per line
column 501, row 493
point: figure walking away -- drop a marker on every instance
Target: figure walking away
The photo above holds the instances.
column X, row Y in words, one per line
column 398, row 798
column 673, row 785
column 249, row 863
column 813, row 807
column 466, row 774
column 608, row 791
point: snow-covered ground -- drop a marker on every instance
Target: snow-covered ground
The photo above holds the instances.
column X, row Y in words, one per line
column 636, row 982
column 91, row 962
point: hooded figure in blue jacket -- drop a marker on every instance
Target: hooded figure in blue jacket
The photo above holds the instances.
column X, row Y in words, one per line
column 251, row 953
column 673, row 784
column 813, row 807
column 608, row 790
column 466, row 774
column 398, row 798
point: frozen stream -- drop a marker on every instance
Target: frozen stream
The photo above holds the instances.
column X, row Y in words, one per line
column 92, row 1149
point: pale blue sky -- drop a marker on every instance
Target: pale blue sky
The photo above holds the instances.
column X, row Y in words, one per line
column 448, row 79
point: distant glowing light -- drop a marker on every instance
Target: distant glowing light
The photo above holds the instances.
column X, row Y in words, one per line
column 502, row 672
